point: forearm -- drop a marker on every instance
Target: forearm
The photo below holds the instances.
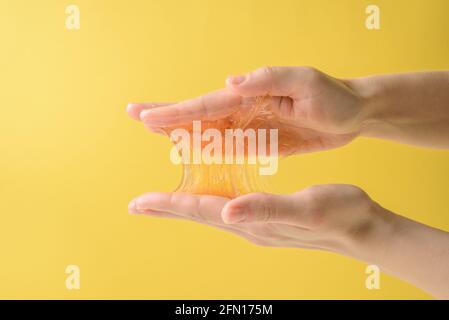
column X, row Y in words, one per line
column 410, row 108
column 414, row 252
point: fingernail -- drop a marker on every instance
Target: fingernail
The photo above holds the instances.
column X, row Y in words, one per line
column 236, row 80
column 237, row 215
column 132, row 208
column 145, row 114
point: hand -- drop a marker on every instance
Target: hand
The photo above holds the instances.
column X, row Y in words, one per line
column 330, row 217
column 339, row 218
column 314, row 111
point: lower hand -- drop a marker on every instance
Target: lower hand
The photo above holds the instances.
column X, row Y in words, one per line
column 338, row 218
column 330, row 217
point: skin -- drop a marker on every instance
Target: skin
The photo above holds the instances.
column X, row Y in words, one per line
column 409, row 108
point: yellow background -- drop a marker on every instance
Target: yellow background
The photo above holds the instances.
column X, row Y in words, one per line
column 71, row 159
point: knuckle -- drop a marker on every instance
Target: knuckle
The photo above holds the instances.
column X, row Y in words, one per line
column 271, row 76
column 181, row 201
column 269, row 73
column 266, row 70
column 310, row 73
column 323, row 200
column 316, row 206
column 349, row 193
column 200, row 208
column 267, row 209
column 308, row 70
column 314, row 196
column 358, row 196
column 357, row 192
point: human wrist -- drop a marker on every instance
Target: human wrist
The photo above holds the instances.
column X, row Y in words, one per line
column 369, row 239
column 373, row 101
column 406, row 249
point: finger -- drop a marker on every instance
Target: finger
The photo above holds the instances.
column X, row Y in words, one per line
column 211, row 106
column 202, row 207
column 263, row 207
column 274, row 81
column 132, row 209
column 240, row 230
column 134, row 109
column 159, row 214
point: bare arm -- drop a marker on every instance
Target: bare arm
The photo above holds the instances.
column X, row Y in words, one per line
column 411, row 108
column 409, row 250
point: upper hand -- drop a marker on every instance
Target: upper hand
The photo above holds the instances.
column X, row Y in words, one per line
column 316, row 111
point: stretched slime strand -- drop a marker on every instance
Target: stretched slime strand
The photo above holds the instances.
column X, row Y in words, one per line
column 229, row 180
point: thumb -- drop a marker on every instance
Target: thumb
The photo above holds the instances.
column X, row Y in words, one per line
column 274, row 81
column 264, row 207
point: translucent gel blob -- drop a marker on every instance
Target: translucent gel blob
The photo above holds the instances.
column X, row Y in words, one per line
column 226, row 180
column 232, row 180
